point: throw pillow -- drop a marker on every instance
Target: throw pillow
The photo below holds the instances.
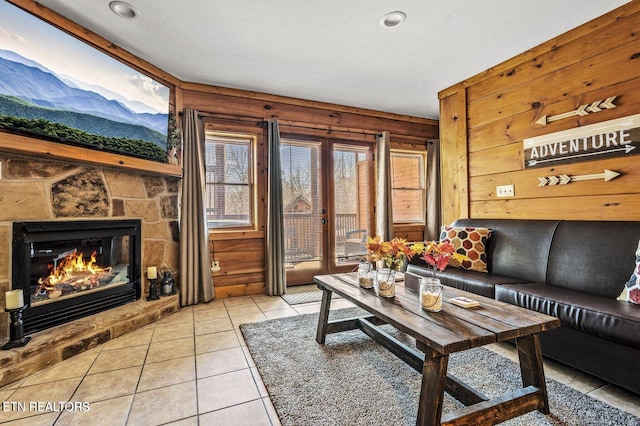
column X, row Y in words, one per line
column 470, row 242
column 631, row 290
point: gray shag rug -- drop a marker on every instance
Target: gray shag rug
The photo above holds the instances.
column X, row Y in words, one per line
column 352, row 380
column 298, row 295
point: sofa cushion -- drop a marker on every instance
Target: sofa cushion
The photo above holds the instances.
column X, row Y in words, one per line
column 472, row 281
column 470, row 242
column 517, row 248
column 593, row 256
column 597, row 315
column 631, row 290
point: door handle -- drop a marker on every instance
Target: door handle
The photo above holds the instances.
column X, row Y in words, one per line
column 324, row 221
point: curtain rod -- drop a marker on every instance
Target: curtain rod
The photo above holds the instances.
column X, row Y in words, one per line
column 230, row 117
column 261, row 122
column 329, row 130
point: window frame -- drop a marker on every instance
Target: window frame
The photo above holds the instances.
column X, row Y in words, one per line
column 422, row 188
column 251, row 179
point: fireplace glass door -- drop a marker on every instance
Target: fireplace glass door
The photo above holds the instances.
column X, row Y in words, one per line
column 71, row 269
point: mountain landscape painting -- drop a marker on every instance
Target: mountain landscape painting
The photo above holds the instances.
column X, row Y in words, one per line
column 55, row 87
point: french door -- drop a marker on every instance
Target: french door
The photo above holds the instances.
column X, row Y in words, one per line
column 327, row 197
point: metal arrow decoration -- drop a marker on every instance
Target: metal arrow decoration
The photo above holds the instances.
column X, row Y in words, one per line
column 582, row 110
column 565, row 179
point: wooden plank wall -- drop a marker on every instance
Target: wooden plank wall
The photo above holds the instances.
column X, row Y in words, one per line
column 501, row 105
column 241, row 254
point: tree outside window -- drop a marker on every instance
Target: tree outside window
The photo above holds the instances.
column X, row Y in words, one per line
column 229, row 180
column 408, row 187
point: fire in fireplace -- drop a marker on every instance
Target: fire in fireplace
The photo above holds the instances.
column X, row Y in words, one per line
column 73, row 269
column 70, row 275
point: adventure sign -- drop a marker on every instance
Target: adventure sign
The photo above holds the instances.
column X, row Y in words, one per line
column 613, row 138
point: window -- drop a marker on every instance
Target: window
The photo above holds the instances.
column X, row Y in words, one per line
column 229, row 198
column 408, row 187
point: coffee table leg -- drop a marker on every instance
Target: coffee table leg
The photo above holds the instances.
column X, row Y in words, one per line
column 531, row 368
column 434, row 377
column 323, row 320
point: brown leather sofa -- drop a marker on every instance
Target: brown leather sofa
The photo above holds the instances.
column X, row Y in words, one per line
column 573, row 270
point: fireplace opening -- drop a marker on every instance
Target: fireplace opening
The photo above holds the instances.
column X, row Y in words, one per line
column 68, row 270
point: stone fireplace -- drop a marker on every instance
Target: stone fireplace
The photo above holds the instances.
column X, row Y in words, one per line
column 42, row 190
column 71, row 269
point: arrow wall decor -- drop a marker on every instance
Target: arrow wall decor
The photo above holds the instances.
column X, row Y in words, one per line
column 565, row 179
column 582, row 110
column 606, row 139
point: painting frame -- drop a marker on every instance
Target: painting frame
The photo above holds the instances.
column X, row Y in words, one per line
column 117, row 118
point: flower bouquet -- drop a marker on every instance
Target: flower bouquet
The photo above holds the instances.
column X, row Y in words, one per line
column 437, row 255
column 392, row 255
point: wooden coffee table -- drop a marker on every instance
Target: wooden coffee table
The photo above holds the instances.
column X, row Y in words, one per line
column 439, row 334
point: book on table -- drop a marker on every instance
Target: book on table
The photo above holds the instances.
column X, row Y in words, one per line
column 464, row 302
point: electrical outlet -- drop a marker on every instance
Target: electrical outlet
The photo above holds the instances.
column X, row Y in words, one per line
column 504, row 191
column 215, row 266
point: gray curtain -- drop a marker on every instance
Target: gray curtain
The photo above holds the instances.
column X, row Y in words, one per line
column 384, row 210
column 196, row 282
column 432, row 228
column 276, row 273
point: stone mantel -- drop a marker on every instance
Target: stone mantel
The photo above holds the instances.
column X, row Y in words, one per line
column 23, row 145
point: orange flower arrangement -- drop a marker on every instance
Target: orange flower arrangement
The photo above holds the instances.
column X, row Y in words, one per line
column 393, row 252
column 374, row 248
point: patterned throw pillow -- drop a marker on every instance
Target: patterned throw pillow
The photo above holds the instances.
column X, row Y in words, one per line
column 631, row 290
column 470, row 242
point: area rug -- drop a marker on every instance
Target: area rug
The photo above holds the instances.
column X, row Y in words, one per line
column 297, row 295
column 352, row 380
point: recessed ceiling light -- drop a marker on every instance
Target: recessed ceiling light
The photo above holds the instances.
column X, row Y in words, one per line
column 393, row 19
column 123, row 10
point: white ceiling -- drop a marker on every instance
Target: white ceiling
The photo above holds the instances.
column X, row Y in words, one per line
column 333, row 51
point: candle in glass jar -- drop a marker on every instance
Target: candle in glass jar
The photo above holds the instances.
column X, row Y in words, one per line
column 14, row 299
column 152, row 272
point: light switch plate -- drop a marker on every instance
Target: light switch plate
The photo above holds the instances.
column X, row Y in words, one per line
column 504, row 191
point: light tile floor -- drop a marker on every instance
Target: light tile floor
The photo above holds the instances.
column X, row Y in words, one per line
column 192, row 368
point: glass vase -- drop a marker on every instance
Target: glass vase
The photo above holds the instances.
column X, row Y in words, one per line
column 366, row 275
column 385, row 283
column 430, row 294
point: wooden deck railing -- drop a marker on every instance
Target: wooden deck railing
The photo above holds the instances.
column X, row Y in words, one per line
column 303, row 234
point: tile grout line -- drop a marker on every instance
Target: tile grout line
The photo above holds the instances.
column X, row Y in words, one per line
column 86, row 373
column 262, row 399
column 196, row 360
column 144, row 363
column 195, row 365
column 135, row 391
